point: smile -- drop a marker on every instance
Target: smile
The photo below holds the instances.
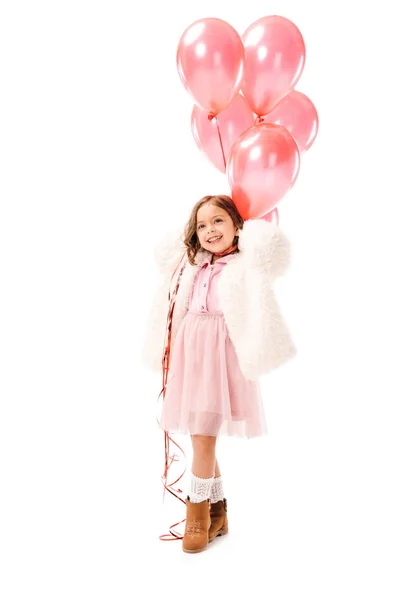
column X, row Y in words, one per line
column 214, row 239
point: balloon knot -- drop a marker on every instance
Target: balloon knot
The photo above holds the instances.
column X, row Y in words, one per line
column 210, row 116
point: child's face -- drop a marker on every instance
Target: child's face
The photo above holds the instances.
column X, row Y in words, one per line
column 215, row 228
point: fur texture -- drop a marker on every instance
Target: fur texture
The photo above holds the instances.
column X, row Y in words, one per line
column 256, row 326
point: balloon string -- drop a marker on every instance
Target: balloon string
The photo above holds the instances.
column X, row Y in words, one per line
column 168, row 487
column 220, row 141
column 168, row 459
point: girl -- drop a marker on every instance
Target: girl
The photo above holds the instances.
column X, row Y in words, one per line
column 224, row 329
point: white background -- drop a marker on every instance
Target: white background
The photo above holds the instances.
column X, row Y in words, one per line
column 97, row 161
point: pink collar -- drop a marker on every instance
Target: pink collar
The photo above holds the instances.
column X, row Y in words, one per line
column 223, row 260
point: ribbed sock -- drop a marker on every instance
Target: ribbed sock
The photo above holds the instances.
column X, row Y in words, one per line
column 217, row 490
column 200, row 489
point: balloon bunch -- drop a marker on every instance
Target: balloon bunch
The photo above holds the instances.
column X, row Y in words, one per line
column 248, row 118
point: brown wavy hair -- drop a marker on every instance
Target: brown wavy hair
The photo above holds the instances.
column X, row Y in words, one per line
column 191, row 239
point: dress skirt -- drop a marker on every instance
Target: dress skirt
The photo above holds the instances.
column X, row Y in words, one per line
column 206, row 392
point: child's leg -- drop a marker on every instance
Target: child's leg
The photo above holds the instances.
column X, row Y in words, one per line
column 217, row 490
column 218, row 507
column 203, row 464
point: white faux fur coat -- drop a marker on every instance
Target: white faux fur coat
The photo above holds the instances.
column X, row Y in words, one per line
column 255, row 324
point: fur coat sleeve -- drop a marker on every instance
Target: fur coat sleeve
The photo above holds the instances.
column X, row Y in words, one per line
column 167, row 255
column 254, row 320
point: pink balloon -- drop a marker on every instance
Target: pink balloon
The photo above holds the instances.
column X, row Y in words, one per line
column 275, row 57
column 272, row 216
column 298, row 114
column 210, row 60
column 231, row 122
column 263, row 165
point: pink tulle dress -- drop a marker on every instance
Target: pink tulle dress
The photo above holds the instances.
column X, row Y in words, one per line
column 206, row 392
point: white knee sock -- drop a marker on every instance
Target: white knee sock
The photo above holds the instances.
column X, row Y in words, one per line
column 200, row 489
column 217, row 490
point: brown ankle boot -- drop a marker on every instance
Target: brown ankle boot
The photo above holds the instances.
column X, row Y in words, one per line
column 198, row 521
column 219, row 519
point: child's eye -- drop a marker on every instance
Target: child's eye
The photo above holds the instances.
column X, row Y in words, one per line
column 218, row 219
column 200, row 226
